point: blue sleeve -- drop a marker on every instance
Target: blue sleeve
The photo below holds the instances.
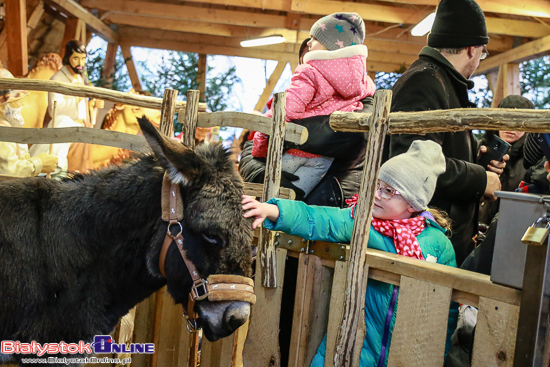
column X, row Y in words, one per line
column 311, row 222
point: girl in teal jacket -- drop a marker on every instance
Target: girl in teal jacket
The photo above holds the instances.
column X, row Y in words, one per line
column 400, row 224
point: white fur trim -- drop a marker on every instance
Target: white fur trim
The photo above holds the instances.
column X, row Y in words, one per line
column 342, row 53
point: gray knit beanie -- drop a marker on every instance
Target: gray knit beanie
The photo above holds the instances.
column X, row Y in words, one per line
column 414, row 173
column 339, row 30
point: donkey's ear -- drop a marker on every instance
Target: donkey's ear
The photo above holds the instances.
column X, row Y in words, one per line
column 182, row 164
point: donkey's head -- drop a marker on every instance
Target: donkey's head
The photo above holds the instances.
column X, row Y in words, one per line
column 217, row 239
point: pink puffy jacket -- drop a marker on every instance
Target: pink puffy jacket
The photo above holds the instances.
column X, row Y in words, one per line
column 328, row 81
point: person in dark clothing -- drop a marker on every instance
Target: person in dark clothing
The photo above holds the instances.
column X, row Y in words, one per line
column 514, row 171
column 439, row 79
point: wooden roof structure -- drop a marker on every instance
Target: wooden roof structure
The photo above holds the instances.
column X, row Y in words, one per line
column 518, row 30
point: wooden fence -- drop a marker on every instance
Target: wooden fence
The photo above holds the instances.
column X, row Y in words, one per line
column 330, row 279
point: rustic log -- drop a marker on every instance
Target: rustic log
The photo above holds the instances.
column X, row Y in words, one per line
column 191, row 114
column 89, row 92
column 458, row 119
column 272, row 183
column 293, row 133
column 352, row 332
column 167, row 112
column 117, row 139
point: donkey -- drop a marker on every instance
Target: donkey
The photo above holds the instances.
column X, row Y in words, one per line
column 76, row 255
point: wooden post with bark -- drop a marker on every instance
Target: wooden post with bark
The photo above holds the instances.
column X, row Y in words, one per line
column 351, row 334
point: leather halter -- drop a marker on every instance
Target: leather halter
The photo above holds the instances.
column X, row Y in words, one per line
column 218, row 287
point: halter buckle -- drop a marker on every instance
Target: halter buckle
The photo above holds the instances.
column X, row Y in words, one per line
column 199, row 290
column 191, row 324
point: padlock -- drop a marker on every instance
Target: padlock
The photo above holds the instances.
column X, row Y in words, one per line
column 535, row 236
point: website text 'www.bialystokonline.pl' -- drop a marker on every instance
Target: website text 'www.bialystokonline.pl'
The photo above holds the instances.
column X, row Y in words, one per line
column 73, row 360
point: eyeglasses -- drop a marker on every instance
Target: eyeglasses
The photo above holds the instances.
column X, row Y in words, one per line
column 484, row 53
column 385, row 192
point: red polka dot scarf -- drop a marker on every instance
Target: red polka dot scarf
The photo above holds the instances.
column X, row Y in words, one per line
column 404, row 232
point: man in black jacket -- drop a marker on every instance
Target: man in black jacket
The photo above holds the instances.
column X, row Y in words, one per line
column 439, row 79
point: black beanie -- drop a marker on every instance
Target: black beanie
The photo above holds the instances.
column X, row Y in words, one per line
column 458, row 23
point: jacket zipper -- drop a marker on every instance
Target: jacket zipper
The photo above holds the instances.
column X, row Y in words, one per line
column 386, row 335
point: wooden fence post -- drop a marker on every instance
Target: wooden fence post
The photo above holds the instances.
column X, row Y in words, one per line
column 272, row 183
column 191, row 118
column 352, row 332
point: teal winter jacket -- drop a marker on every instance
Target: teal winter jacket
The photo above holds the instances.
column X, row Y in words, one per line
column 335, row 225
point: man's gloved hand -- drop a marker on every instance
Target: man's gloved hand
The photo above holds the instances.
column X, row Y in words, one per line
column 286, row 181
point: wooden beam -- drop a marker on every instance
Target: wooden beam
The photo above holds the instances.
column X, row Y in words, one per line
column 201, row 76
column 376, row 13
column 242, row 52
column 537, row 8
column 73, row 31
column 507, row 83
column 400, row 15
column 269, row 86
column 521, row 53
column 16, row 26
column 130, row 66
column 528, row 8
column 72, row 8
column 109, row 65
column 186, row 12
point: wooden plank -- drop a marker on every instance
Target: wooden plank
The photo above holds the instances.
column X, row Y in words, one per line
column 32, row 22
column 90, row 92
column 262, row 344
column 420, row 330
column 217, row 354
column 16, row 27
column 302, row 302
column 530, row 8
column 254, row 189
column 507, row 83
column 108, row 73
column 293, row 133
column 351, row 334
column 70, row 33
column 168, row 324
column 185, row 12
column 495, row 337
column 270, row 85
column 201, row 76
column 143, row 329
column 336, row 309
column 130, row 66
column 187, row 347
column 75, row 10
column 405, row 15
column 240, row 338
column 272, row 182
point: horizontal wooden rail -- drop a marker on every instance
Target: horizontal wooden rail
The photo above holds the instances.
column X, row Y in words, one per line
column 293, row 133
column 74, row 135
column 387, row 267
column 448, row 120
column 90, row 92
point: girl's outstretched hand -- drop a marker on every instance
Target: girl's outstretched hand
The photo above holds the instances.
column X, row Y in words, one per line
column 259, row 211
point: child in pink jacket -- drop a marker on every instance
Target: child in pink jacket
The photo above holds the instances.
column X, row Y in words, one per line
column 332, row 78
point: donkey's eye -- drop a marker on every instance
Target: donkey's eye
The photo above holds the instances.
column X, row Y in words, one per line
column 213, row 239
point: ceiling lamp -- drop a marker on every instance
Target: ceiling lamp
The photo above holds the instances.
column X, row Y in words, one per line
column 424, row 26
column 271, row 40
